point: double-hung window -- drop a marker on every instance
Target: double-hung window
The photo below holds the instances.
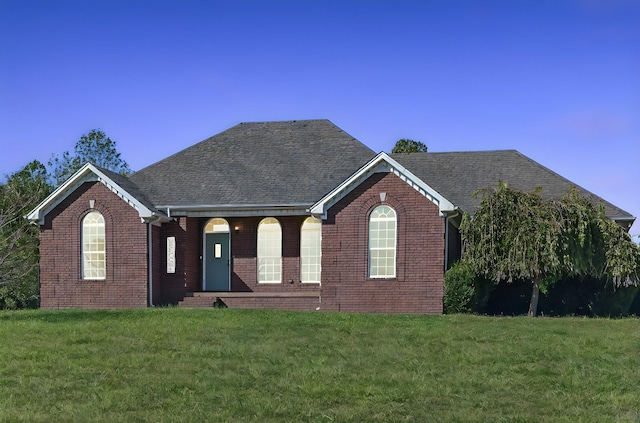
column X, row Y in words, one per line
column 310, row 250
column 382, row 242
column 93, row 246
column 269, row 251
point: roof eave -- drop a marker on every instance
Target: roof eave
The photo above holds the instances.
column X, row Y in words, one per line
column 88, row 173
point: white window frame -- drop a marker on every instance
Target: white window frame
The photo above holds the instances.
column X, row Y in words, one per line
column 94, row 257
column 383, row 222
column 311, row 250
column 269, row 251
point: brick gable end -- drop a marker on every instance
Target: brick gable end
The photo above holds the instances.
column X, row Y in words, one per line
column 61, row 282
column 419, row 281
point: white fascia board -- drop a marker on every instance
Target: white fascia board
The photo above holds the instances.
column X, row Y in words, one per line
column 88, row 173
column 380, row 163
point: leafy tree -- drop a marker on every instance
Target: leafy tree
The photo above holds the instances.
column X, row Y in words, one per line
column 94, row 147
column 519, row 236
column 19, row 255
column 409, row 146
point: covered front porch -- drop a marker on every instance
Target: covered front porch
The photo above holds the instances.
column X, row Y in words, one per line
column 239, row 261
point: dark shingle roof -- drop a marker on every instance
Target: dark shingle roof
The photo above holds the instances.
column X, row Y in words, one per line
column 457, row 175
column 270, row 163
column 126, row 184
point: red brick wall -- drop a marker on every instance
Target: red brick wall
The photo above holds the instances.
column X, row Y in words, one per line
column 418, row 285
column 61, row 283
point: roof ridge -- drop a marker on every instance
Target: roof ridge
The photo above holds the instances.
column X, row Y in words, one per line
column 504, row 150
column 284, row 121
column 228, row 130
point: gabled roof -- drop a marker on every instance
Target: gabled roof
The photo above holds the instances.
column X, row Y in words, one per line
column 118, row 184
column 262, row 164
column 381, row 163
column 297, row 167
column 458, row 175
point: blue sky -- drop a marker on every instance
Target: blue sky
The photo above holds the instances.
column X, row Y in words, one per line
column 558, row 80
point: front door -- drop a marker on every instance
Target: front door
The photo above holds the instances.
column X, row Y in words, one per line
column 217, row 276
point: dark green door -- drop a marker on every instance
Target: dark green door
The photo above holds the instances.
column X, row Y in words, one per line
column 217, row 262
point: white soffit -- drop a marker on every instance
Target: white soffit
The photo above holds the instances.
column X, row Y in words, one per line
column 87, row 173
column 380, row 163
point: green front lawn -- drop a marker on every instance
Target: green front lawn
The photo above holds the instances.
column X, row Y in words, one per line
column 249, row 365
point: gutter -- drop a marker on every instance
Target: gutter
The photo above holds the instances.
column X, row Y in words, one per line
column 624, row 221
column 177, row 209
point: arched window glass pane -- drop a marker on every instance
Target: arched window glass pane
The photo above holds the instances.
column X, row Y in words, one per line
column 310, row 250
column 269, row 251
column 382, row 242
column 216, row 225
column 93, row 247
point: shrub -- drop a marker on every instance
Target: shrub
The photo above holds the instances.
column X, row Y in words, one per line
column 459, row 289
column 20, row 294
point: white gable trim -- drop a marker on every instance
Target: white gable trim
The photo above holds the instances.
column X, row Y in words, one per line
column 89, row 173
column 380, row 163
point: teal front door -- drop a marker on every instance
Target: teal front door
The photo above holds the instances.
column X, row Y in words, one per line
column 217, row 276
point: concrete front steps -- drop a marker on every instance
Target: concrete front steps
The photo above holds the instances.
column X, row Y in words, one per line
column 305, row 300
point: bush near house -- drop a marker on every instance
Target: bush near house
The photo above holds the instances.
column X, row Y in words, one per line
column 571, row 296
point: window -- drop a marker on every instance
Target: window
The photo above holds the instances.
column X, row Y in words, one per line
column 269, row 251
column 310, row 250
column 382, row 243
column 93, row 246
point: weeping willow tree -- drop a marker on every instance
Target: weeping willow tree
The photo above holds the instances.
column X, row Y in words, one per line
column 517, row 235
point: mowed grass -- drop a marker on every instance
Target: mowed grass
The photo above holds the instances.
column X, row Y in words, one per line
column 170, row 365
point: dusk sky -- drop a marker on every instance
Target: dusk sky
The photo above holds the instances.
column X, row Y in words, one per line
column 557, row 80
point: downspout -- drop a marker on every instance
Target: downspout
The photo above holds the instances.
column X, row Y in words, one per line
column 150, row 262
column 446, row 242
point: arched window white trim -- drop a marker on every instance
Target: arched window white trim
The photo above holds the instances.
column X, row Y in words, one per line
column 269, row 251
column 93, row 247
column 382, row 242
column 310, row 250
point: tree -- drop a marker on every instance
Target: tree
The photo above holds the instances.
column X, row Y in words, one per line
column 409, row 146
column 94, row 147
column 19, row 255
column 519, row 236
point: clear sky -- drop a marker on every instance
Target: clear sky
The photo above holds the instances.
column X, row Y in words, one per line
column 558, row 80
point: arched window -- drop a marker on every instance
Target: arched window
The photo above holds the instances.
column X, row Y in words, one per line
column 93, row 246
column 310, row 250
column 382, row 242
column 269, row 251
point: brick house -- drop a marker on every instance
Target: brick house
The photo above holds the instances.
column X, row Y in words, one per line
column 295, row 215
